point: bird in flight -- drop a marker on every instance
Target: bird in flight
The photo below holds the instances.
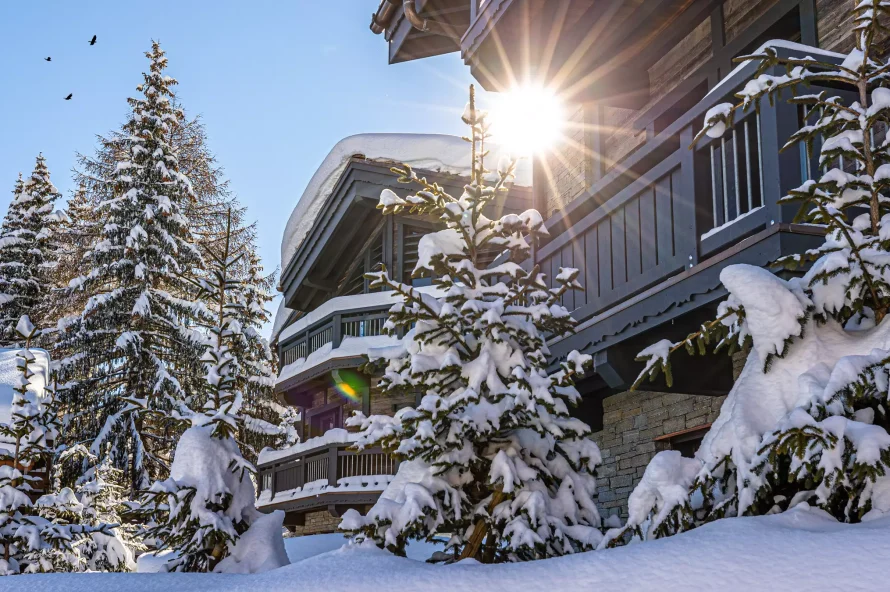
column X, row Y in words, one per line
column 48, row 59
column 68, row 98
column 93, row 40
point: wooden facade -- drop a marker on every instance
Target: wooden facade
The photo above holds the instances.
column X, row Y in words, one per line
column 648, row 218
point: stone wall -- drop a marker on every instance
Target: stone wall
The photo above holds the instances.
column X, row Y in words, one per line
column 318, row 522
column 564, row 167
column 632, row 421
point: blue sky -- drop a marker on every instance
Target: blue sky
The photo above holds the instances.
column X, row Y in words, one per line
column 277, row 83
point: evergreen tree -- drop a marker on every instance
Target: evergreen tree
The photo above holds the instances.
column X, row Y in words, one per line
column 98, row 490
column 78, row 233
column 806, row 422
column 211, row 205
column 495, row 459
column 46, row 535
column 130, row 357
column 207, row 504
column 262, row 416
column 28, row 250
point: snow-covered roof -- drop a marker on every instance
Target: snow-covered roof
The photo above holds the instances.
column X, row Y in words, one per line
column 9, row 377
column 430, row 152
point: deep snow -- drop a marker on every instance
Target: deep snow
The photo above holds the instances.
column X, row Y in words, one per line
column 798, row 550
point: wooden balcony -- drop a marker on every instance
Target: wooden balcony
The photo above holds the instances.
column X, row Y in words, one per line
column 651, row 237
column 331, row 476
column 333, row 336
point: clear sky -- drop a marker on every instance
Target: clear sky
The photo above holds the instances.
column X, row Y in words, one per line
column 277, row 82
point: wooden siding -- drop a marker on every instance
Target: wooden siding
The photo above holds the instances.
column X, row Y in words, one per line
column 626, row 248
column 739, row 14
column 685, row 57
column 833, row 25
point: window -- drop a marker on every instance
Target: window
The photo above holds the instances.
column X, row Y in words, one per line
column 324, row 418
column 685, row 441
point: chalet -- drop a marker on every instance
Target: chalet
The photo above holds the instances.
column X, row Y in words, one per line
column 648, row 218
column 330, row 317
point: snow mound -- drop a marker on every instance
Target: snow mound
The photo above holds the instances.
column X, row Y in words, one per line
column 259, row 549
column 430, row 152
column 732, row 555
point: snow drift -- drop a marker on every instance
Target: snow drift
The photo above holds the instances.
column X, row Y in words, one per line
column 736, row 555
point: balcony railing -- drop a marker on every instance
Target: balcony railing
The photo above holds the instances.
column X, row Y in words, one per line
column 358, row 321
column 671, row 205
column 335, row 469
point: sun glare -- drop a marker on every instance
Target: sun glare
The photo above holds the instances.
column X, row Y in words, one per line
column 526, row 120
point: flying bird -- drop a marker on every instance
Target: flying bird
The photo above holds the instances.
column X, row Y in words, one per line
column 93, row 40
column 48, row 59
column 68, row 98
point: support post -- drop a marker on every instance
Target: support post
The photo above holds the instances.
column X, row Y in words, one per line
column 781, row 169
column 686, row 225
column 337, row 332
column 333, row 464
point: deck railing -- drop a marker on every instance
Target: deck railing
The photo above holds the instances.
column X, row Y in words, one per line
column 672, row 204
column 356, row 322
column 329, row 463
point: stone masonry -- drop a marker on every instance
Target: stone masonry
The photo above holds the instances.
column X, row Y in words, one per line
column 632, row 421
column 319, row 522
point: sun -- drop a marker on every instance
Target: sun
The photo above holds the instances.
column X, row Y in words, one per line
column 526, row 120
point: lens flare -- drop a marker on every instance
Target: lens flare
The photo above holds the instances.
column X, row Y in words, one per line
column 526, row 120
column 348, row 385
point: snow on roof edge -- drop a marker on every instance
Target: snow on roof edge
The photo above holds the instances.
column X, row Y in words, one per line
column 432, row 152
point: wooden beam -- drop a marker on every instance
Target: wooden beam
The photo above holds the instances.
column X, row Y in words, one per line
column 809, row 32
column 320, row 284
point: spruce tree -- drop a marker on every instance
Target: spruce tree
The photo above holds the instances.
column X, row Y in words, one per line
column 207, row 211
column 46, row 535
column 99, row 491
column 131, row 356
column 28, row 250
column 78, row 233
column 496, row 461
column 263, row 416
column 806, row 422
column 207, row 503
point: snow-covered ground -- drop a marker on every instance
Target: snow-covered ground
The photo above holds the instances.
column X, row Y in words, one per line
column 300, row 548
column 798, row 550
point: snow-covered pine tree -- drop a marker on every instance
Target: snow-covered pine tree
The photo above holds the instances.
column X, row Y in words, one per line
column 130, row 357
column 46, row 535
column 807, row 420
column 97, row 487
column 207, row 504
column 263, row 418
column 28, row 250
column 77, row 233
column 493, row 456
